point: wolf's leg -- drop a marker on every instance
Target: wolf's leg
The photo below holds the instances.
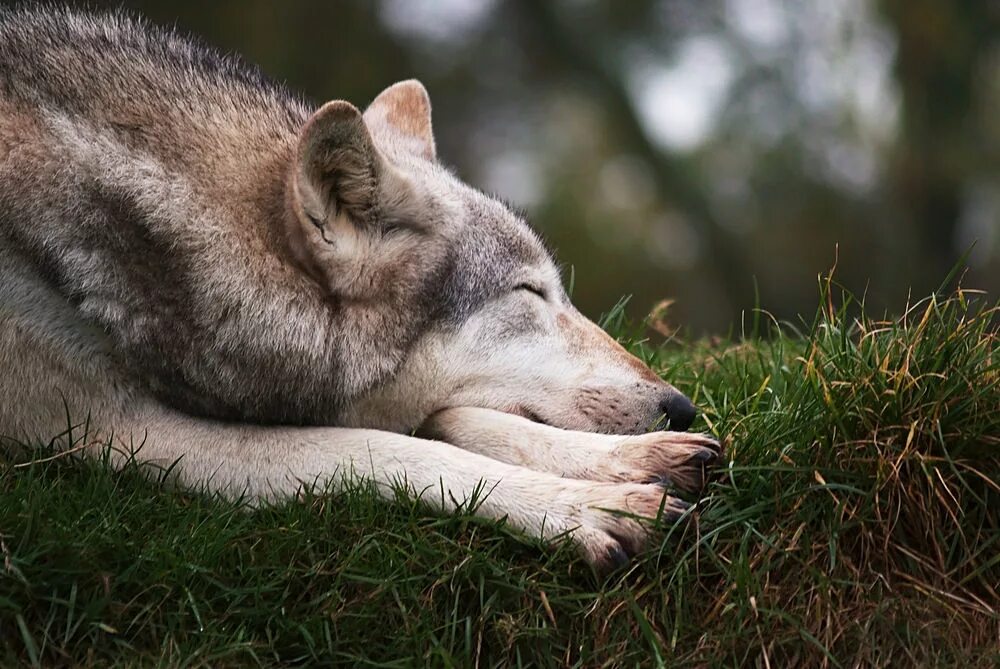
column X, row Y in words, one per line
column 57, row 370
column 274, row 462
column 678, row 458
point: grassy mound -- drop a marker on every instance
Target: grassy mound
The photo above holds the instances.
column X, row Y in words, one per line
column 856, row 522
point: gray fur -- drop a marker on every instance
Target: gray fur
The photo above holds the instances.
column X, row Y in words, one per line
column 190, row 255
column 159, row 166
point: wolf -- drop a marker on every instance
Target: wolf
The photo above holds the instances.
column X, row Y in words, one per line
column 218, row 277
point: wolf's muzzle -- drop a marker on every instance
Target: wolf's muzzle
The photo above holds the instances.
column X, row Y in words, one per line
column 679, row 410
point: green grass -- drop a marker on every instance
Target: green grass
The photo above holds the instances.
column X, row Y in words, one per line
column 856, row 522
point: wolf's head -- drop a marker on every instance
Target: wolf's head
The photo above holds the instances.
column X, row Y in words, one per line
column 381, row 225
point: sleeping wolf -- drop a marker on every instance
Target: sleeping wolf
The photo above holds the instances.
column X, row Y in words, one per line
column 267, row 294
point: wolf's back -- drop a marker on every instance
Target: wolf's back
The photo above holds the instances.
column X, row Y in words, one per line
column 142, row 182
column 107, row 65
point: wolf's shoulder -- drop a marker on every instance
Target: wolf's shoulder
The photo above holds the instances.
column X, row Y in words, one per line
column 54, row 53
column 51, row 31
column 58, row 21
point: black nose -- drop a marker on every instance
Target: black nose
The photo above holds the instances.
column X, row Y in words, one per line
column 679, row 411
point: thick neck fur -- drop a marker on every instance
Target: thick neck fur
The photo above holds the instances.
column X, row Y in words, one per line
column 155, row 203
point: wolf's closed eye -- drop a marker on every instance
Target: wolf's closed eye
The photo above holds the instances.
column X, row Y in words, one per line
column 535, row 290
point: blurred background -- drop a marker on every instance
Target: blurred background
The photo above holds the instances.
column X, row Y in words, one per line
column 702, row 151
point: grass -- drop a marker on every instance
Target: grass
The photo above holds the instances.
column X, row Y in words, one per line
column 855, row 523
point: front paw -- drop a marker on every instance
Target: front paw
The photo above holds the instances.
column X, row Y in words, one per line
column 611, row 521
column 676, row 459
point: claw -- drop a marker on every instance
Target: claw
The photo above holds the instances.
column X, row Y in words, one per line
column 664, row 481
column 675, row 508
column 617, row 558
column 713, row 444
column 705, row 456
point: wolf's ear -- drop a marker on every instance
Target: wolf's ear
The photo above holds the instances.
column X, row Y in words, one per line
column 403, row 112
column 337, row 165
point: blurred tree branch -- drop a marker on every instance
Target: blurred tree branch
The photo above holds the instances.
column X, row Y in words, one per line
column 678, row 187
